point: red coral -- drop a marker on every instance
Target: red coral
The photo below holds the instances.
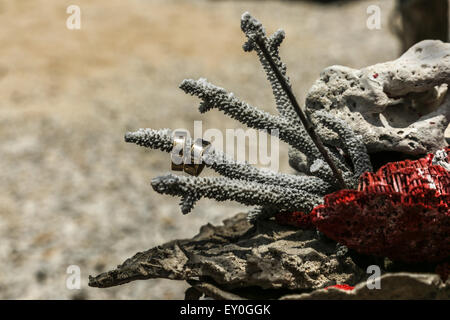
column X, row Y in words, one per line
column 297, row 219
column 345, row 287
column 402, row 212
column 443, row 270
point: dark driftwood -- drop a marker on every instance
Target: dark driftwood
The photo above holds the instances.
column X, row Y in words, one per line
column 238, row 261
column 238, row 256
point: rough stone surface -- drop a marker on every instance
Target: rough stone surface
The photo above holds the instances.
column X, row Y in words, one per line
column 393, row 286
column 237, row 261
column 400, row 105
column 237, row 255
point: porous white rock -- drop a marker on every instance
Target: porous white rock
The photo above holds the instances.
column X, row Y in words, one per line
column 400, row 105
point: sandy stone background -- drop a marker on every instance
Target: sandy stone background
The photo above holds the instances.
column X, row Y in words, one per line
column 72, row 191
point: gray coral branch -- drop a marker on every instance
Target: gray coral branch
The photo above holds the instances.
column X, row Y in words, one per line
column 216, row 97
column 352, row 142
column 252, row 29
column 269, row 191
column 257, row 40
column 228, row 167
column 150, row 138
column 223, row 164
column 245, row 192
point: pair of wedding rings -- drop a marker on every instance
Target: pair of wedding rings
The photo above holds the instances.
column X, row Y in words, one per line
column 186, row 157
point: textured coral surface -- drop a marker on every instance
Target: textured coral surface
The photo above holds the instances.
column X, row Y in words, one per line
column 297, row 219
column 401, row 212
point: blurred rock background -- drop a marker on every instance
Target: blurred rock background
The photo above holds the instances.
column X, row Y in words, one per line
column 73, row 192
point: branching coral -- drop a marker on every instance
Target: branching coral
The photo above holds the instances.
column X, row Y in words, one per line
column 401, row 211
column 377, row 219
column 271, row 191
